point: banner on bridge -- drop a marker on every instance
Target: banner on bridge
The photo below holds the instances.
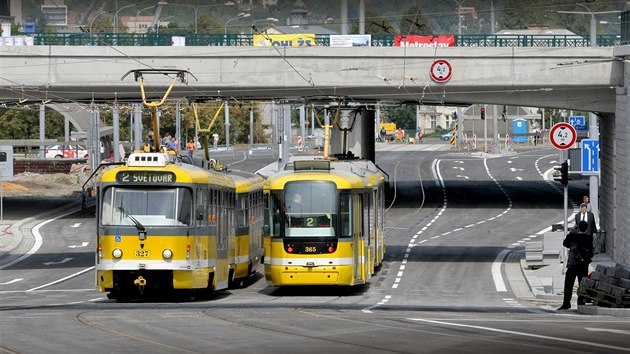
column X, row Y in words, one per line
column 350, row 40
column 424, row 41
column 285, row 40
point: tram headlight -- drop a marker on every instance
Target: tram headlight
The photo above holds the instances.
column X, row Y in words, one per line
column 117, row 253
column 167, row 253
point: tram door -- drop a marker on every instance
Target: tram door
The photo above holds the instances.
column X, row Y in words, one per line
column 357, row 228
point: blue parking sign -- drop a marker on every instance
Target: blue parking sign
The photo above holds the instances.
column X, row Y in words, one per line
column 590, row 155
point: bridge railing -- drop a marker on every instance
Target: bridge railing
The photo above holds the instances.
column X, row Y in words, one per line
column 378, row 40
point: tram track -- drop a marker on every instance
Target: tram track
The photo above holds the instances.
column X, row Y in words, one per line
column 411, row 216
column 371, row 348
column 80, row 317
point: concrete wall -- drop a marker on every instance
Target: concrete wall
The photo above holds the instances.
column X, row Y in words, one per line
column 615, row 168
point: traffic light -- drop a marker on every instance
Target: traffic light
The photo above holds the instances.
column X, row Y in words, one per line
column 483, row 113
column 563, row 176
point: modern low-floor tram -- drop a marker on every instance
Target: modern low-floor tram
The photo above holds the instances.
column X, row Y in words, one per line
column 324, row 223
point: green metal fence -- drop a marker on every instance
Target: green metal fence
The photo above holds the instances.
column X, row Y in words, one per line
column 378, row 40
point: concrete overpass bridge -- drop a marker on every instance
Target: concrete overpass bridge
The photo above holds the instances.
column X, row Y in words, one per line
column 590, row 79
column 572, row 78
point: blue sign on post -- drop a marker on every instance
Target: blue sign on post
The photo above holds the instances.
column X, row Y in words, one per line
column 578, row 122
column 590, row 155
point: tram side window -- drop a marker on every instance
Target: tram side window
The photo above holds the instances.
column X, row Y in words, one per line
column 345, row 210
column 242, row 210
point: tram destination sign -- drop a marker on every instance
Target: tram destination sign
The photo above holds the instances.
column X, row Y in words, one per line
column 145, row 177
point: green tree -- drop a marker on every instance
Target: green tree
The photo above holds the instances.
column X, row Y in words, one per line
column 404, row 116
column 376, row 24
column 413, row 22
column 23, row 123
column 205, row 24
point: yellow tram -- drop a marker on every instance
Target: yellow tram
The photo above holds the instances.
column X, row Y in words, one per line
column 324, row 223
column 164, row 225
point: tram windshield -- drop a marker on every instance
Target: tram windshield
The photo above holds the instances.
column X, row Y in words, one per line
column 310, row 208
column 149, row 207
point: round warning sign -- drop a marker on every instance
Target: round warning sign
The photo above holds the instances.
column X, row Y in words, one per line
column 441, row 70
column 562, row 136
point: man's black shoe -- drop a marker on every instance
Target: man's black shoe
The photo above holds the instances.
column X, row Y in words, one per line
column 564, row 307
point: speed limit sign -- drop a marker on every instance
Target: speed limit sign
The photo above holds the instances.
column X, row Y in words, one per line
column 562, row 136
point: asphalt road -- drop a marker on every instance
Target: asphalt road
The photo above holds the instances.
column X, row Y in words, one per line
column 451, row 217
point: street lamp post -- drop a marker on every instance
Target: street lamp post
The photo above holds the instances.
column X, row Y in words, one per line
column 97, row 15
column 157, row 25
column 196, row 9
column 272, row 19
column 241, row 15
column 115, row 20
column 135, row 29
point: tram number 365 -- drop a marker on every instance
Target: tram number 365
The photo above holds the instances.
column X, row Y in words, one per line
column 310, row 249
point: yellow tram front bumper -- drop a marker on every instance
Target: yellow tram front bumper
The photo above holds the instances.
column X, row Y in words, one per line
column 302, row 275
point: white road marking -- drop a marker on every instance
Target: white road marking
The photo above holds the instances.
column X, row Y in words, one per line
column 76, row 224
column 499, row 284
column 524, row 334
column 38, row 239
column 12, row 281
column 83, row 244
column 618, row 331
column 65, row 260
column 62, row 279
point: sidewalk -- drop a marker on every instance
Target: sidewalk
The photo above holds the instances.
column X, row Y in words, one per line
column 547, row 283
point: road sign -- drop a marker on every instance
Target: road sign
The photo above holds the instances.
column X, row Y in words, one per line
column 590, row 155
column 562, row 136
column 578, row 122
column 441, row 70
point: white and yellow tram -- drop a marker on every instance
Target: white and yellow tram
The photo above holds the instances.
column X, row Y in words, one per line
column 324, row 223
column 164, row 226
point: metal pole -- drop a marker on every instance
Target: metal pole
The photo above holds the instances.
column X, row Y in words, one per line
column 344, row 16
column 496, row 147
column 361, row 16
column 251, row 123
column 227, row 123
column 378, row 121
column 286, row 132
column 302, row 123
column 485, row 133
column 66, row 128
column 116, row 122
column 493, row 29
column 178, row 129
column 42, row 129
column 137, row 122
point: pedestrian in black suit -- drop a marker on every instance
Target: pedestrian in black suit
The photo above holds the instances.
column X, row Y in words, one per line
column 580, row 245
column 585, row 215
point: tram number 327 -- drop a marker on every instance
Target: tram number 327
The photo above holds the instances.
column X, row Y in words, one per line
column 141, row 253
